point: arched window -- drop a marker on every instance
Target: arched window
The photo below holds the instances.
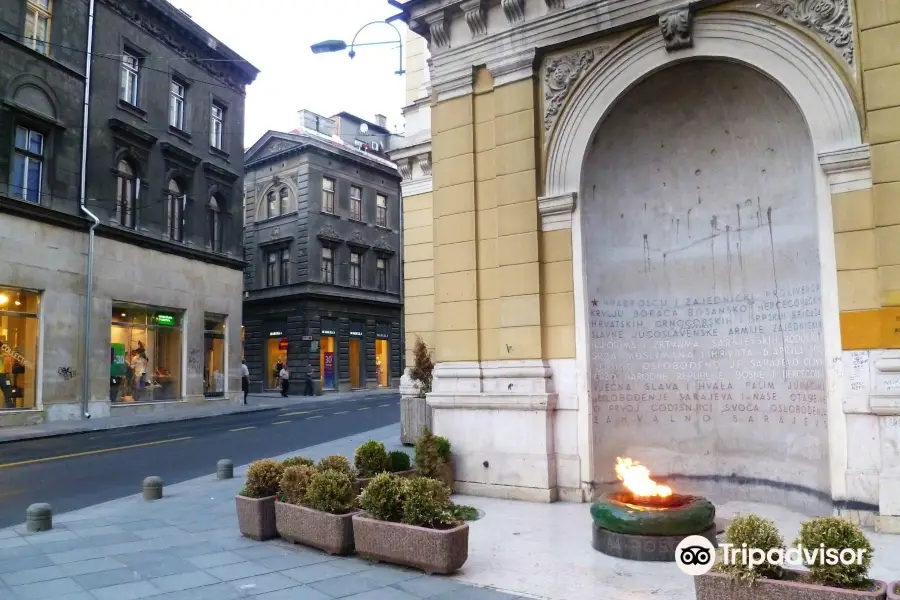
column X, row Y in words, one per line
column 126, row 193
column 175, row 211
column 272, row 201
column 215, row 225
column 283, row 197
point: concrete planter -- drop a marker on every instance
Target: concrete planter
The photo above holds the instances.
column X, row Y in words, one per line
column 361, row 482
column 325, row 531
column 716, row 586
column 893, row 591
column 431, row 550
column 256, row 517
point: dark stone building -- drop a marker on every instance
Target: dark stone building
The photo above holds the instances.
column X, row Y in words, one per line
column 323, row 248
column 164, row 177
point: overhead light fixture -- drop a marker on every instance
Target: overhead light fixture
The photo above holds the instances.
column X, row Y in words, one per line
column 4, row 299
column 18, row 298
column 123, row 314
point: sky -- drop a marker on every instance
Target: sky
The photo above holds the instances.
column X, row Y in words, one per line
column 275, row 36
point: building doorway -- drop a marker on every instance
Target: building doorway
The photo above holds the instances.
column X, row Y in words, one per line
column 214, row 356
column 357, row 345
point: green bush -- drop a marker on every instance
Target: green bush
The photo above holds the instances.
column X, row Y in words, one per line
column 755, row 532
column 463, row 512
column 263, row 478
column 838, row 534
column 383, row 498
column 426, row 503
column 371, row 459
column 443, row 448
column 296, row 461
column 423, row 366
column 399, row 461
column 335, row 462
column 294, row 483
column 330, row 491
column 429, row 461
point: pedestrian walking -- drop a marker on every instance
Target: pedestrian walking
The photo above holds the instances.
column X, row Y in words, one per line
column 245, row 379
column 285, row 378
column 308, row 384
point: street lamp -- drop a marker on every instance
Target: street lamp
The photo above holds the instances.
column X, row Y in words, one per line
column 340, row 45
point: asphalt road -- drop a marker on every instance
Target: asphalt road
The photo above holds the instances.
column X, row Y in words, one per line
column 75, row 471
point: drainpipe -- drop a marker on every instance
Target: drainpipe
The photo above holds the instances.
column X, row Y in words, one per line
column 89, row 287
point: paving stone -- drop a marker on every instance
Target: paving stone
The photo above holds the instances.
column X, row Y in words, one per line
column 32, row 575
column 47, row 537
column 158, row 533
column 219, row 591
column 428, row 586
column 262, row 584
column 262, row 552
column 102, row 579
column 347, row 585
column 21, row 564
column 238, row 571
column 298, row 559
column 387, row 593
column 163, row 568
column 473, row 593
column 96, row 565
column 77, row 525
column 100, row 531
column 142, row 525
column 48, row 589
column 317, row 572
column 127, row 591
column 217, row 559
column 184, row 581
column 301, row 593
column 388, row 575
column 193, row 550
column 12, row 542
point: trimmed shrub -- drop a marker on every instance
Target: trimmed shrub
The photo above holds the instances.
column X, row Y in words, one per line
column 294, row 483
column 330, row 491
column 443, row 448
column 371, row 459
column 423, row 366
column 426, row 503
column 263, row 478
column 836, row 534
column 755, row 532
column 398, row 461
column 335, row 462
column 383, row 498
column 429, row 461
column 296, row 461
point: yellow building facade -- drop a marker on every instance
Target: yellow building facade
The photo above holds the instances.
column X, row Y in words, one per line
column 653, row 230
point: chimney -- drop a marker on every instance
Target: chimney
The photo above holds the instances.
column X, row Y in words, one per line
column 381, row 120
column 315, row 122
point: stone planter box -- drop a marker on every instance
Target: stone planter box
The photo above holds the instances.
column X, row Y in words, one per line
column 893, row 592
column 441, row 551
column 361, row 482
column 715, row 586
column 256, row 517
column 325, row 531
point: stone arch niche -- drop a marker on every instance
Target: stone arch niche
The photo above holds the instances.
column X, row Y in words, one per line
column 702, row 202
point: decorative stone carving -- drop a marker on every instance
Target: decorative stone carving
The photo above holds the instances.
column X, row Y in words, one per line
column 830, row 19
column 556, row 211
column 405, row 166
column 677, row 29
column 383, row 245
column 514, row 10
column 560, row 76
column 555, row 4
column 358, row 240
column 276, row 146
column 425, row 164
column 275, row 232
column 437, row 31
column 328, row 232
column 474, row 14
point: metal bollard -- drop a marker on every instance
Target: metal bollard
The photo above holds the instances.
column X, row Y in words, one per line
column 152, row 488
column 224, row 469
column 39, row 517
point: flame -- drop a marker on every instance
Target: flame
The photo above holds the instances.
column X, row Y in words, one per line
column 636, row 477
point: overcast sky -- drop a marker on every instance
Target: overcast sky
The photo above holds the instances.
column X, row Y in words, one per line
column 275, row 36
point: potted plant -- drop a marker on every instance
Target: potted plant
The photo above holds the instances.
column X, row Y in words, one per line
column 335, row 462
column 893, row 592
column 316, row 509
column 409, row 521
column 433, row 457
column 296, row 461
column 256, row 501
column 372, row 458
column 826, row 579
column 400, row 463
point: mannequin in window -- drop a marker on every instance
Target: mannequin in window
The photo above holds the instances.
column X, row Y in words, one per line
column 5, row 369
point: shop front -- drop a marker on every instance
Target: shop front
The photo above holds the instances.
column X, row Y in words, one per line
column 382, row 354
column 328, row 354
column 276, row 355
column 19, row 328
column 214, row 356
column 357, row 349
column 146, row 352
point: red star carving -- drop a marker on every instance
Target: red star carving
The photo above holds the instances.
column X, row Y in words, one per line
column 594, row 303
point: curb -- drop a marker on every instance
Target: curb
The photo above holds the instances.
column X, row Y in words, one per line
column 37, row 435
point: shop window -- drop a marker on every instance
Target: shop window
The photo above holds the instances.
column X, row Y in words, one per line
column 214, row 356
column 328, row 356
column 381, row 273
column 126, row 192
column 356, row 203
column 276, row 357
column 175, row 211
column 382, row 362
column 381, row 210
column 28, row 165
column 19, row 313
column 328, row 195
column 355, row 269
column 327, row 265
column 145, row 353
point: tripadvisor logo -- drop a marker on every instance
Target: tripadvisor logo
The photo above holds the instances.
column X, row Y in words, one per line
column 696, row 555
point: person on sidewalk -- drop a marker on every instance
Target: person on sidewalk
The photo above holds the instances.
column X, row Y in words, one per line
column 308, row 384
column 245, row 379
column 285, row 379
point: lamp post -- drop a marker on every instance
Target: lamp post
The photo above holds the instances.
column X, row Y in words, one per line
column 340, row 45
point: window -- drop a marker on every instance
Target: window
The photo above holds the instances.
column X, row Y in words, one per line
column 146, row 353
column 176, row 105
column 283, row 196
column 328, row 195
column 19, row 357
column 215, row 225
column 285, row 266
column 28, row 165
column 355, row 203
column 37, row 25
column 131, row 69
column 381, row 210
column 271, row 263
column 175, row 211
column 327, row 265
column 355, row 278
column 217, row 127
column 214, row 355
column 381, row 270
column 126, row 193
column 272, row 205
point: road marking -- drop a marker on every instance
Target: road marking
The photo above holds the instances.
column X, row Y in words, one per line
column 291, row 414
column 10, row 493
column 315, row 417
column 243, row 428
column 383, row 405
column 280, row 422
column 343, row 412
column 91, row 452
column 364, row 408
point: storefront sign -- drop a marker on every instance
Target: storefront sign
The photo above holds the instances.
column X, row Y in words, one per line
column 165, row 320
column 328, row 332
column 382, row 331
column 283, row 344
column 275, row 333
column 117, row 360
column 357, row 330
column 328, row 327
column 328, row 369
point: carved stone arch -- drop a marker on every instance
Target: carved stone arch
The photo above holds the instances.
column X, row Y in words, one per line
column 31, row 92
column 276, row 186
column 128, row 155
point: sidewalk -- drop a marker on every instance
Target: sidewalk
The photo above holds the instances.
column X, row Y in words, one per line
column 187, row 547
column 255, row 403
